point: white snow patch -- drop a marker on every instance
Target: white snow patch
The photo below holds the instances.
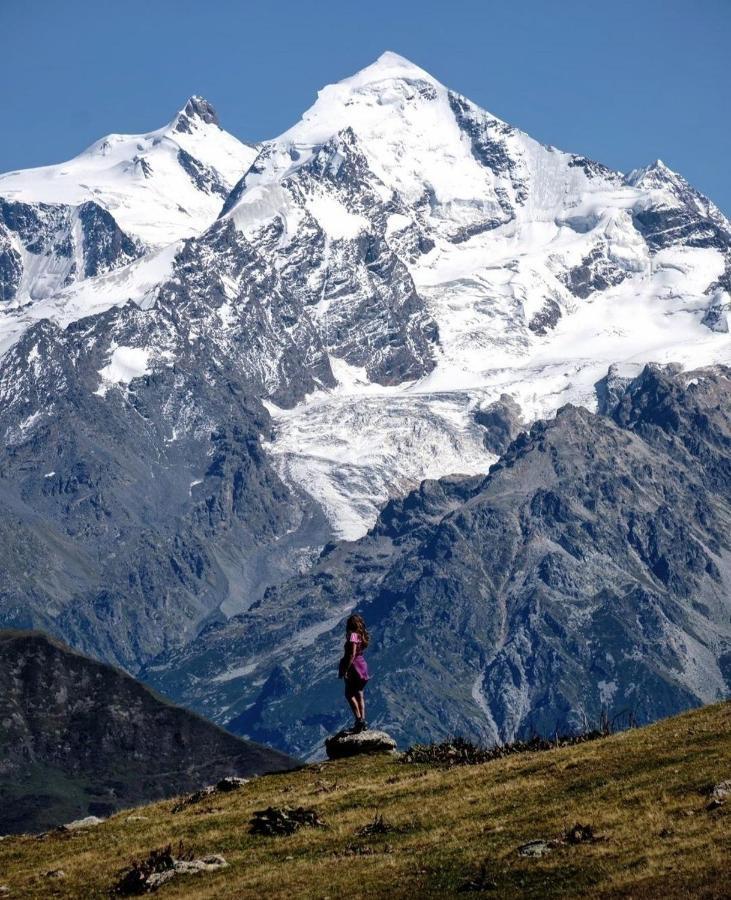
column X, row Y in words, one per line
column 334, row 218
column 125, row 364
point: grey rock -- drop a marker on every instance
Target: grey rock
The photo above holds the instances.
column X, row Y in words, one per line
column 536, row 849
column 720, row 793
column 78, row 824
column 345, row 744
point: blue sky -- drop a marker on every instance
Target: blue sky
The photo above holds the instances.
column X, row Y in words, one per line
column 623, row 82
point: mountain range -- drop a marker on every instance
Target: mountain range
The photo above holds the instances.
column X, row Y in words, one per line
column 246, row 388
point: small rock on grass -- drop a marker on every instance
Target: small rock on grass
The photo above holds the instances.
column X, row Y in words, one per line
column 160, row 866
column 537, row 848
column 283, row 820
column 54, row 873
column 720, row 793
column 224, row 786
column 88, row 822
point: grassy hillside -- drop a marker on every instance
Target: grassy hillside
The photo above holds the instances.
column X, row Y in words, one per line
column 644, row 792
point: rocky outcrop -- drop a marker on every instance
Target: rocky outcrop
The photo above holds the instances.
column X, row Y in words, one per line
column 346, row 743
column 83, row 739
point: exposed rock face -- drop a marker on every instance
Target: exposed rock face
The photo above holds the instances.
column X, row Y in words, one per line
column 345, row 744
column 81, row 737
column 587, row 573
column 45, row 247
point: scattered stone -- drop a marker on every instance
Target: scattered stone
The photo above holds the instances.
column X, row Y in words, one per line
column 460, row 752
column 580, row 834
column 160, row 866
column 4, row 889
column 538, row 848
column 322, row 787
column 720, row 793
column 345, row 744
column 88, row 822
column 283, row 820
column 379, row 825
column 54, row 873
column 224, row 786
column 137, row 819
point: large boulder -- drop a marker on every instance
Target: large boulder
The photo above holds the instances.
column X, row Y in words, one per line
column 345, row 743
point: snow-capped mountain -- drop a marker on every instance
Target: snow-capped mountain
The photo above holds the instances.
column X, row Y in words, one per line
column 390, row 290
column 125, row 194
column 441, row 259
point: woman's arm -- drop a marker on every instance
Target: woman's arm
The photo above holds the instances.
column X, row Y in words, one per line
column 350, row 652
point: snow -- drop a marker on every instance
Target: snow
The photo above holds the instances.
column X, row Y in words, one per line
column 334, row 218
column 237, row 672
column 111, row 173
column 125, row 364
column 357, row 445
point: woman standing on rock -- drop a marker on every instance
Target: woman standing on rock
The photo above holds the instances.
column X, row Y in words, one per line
column 354, row 669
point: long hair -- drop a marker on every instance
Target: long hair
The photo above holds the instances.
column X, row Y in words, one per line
column 356, row 624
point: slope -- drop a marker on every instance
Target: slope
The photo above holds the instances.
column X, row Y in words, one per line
column 644, row 792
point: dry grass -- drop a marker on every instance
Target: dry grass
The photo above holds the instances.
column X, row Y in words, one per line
column 644, row 793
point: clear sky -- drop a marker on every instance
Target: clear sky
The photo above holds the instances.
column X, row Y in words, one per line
column 622, row 81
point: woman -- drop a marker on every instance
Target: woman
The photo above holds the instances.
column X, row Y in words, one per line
column 354, row 669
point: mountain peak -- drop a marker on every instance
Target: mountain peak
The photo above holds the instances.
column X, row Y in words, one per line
column 196, row 109
column 389, row 65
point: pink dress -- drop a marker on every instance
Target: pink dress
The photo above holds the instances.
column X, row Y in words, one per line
column 357, row 674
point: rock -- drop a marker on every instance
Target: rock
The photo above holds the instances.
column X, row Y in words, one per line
column 224, row 786
column 536, row 849
column 206, row 864
column 161, row 866
column 4, row 889
column 231, row 783
column 283, row 820
column 720, row 793
column 137, row 818
column 345, row 744
column 87, row 822
column 54, row 873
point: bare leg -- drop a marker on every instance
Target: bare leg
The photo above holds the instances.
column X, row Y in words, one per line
column 355, row 706
column 360, row 698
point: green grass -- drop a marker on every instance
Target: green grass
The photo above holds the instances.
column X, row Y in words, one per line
column 643, row 791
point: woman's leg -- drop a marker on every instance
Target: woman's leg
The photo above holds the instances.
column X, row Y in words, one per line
column 354, row 705
column 360, row 698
